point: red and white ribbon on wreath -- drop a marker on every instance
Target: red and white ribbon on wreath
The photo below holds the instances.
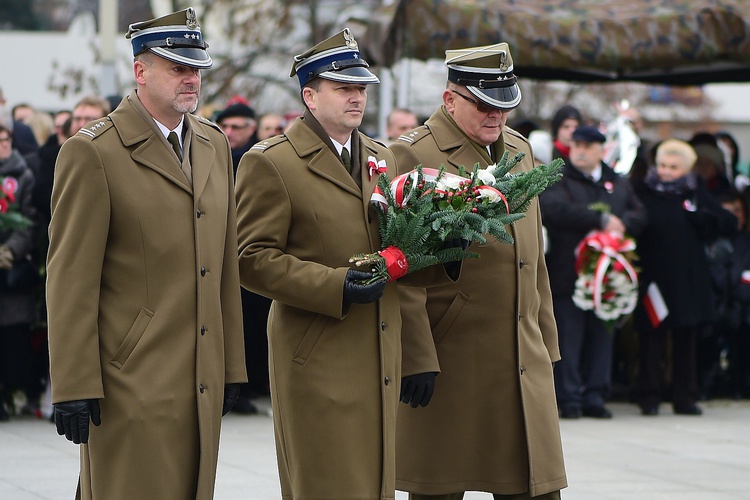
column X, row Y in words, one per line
column 399, row 185
column 395, row 262
column 610, row 245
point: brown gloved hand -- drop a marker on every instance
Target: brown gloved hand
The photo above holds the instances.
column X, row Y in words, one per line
column 6, row 257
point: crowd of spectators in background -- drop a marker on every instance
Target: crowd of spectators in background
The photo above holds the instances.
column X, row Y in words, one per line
column 693, row 245
column 709, row 355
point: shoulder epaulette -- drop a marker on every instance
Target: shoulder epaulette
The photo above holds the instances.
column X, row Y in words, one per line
column 269, row 143
column 379, row 143
column 208, row 122
column 515, row 134
column 415, row 134
column 95, row 128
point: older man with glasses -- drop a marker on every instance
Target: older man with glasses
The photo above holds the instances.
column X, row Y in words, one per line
column 238, row 123
column 87, row 110
column 270, row 125
column 491, row 424
column 67, row 124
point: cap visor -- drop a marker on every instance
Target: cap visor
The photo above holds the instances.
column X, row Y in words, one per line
column 357, row 74
column 505, row 98
column 194, row 58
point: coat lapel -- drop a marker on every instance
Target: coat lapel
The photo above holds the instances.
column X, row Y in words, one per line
column 327, row 165
column 152, row 154
column 324, row 163
column 202, row 155
column 138, row 130
column 467, row 155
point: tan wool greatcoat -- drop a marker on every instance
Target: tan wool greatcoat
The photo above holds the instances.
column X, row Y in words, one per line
column 334, row 369
column 144, row 302
column 492, row 422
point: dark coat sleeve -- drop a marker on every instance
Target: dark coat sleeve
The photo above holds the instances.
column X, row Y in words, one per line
column 562, row 209
column 710, row 219
column 635, row 216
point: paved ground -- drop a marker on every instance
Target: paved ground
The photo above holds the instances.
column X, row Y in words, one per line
column 629, row 457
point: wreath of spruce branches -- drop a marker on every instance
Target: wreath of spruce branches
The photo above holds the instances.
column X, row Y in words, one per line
column 428, row 227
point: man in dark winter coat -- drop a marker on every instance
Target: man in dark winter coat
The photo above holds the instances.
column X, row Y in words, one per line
column 238, row 123
column 590, row 197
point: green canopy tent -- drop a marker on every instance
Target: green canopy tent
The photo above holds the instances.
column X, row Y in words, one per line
column 675, row 42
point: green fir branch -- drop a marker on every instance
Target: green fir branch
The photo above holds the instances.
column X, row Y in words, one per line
column 424, row 225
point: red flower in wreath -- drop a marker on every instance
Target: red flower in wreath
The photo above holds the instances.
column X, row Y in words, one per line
column 8, row 195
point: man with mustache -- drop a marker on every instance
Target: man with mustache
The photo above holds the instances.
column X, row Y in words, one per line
column 145, row 325
column 491, row 424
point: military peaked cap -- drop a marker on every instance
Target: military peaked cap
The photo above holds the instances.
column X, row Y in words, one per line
column 176, row 37
column 486, row 72
column 336, row 59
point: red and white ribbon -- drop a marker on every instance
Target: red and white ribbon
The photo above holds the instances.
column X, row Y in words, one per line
column 400, row 183
column 375, row 166
column 395, row 262
column 610, row 246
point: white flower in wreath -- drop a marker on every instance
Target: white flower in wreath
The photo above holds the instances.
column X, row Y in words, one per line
column 582, row 294
column 485, row 175
column 446, row 183
column 490, row 194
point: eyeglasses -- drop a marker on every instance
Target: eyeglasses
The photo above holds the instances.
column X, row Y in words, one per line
column 481, row 107
column 5, row 139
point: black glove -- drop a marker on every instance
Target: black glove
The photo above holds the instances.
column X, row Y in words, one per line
column 453, row 269
column 72, row 419
column 356, row 292
column 416, row 390
column 459, row 243
column 231, row 395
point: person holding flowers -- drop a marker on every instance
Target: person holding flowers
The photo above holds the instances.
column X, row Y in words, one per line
column 18, row 275
column 591, row 205
column 491, row 423
column 334, row 333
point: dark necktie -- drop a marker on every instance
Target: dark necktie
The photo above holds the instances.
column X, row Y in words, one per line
column 175, row 142
column 347, row 159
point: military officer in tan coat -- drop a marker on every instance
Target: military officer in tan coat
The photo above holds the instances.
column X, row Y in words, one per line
column 492, row 422
column 145, row 324
column 335, row 344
